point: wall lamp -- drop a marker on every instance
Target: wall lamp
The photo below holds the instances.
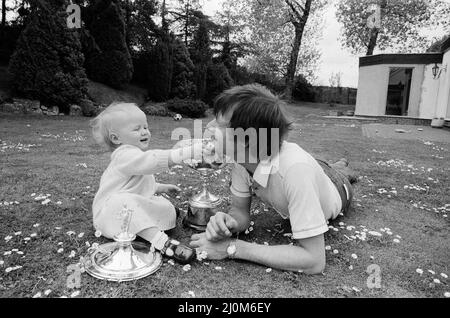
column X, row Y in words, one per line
column 436, row 70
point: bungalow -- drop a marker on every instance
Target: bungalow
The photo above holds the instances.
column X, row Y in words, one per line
column 410, row 85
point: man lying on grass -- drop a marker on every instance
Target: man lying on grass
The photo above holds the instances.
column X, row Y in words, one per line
column 307, row 191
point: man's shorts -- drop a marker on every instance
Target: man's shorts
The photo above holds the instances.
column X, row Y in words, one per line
column 341, row 182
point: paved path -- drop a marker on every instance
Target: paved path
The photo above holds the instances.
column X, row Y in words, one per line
column 412, row 132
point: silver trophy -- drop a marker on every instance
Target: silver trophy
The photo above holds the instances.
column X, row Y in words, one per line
column 124, row 259
column 204, row 204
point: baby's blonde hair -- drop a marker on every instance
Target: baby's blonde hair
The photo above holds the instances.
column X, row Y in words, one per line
column 102, row 126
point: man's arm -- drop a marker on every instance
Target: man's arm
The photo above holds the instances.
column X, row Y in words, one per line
column 306, row 255
column 222, row 225
column 240, row 211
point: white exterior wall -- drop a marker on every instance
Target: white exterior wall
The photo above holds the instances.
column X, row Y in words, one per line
column 416, row 89
column 372, row 91
column 429, row 96
column 373, row 86
column 443, row 101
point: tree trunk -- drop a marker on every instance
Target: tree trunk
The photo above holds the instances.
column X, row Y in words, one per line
column 3, row 13
column 292, row 67
column 127, row 24
column 186, row 25
column 372, row 41
column 164, row 24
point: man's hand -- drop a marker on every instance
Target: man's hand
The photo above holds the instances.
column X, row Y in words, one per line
column 220, row 226
column 168, row 188
column 214, row 250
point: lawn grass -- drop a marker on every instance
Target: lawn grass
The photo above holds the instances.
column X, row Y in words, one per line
column 62, row 160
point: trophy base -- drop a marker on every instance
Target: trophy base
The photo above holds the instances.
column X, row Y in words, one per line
column 120, row 262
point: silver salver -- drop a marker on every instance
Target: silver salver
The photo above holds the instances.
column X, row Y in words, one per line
column 125, row 259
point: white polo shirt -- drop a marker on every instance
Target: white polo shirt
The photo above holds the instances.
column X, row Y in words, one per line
column 295, row 185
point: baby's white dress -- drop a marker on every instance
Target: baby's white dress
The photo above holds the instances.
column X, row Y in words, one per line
column 129, row 181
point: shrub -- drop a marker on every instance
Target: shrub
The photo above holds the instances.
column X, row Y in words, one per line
column 5, row 97
column 88, row 108
column 103, row 94
column 187, row 107
column 302, row 90
column 47, row 63
column 159, row 109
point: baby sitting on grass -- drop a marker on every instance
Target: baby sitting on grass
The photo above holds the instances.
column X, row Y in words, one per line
column 129, row 180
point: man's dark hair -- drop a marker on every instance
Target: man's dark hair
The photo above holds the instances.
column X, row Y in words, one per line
column 254, row 106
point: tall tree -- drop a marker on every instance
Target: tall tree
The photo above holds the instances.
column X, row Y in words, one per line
column 48, row 63
column 19, row 7
column 201, row 56
column 143, row 31
column 400, row 24
column 231, row 34
column 299, row 14
column 335, row 79
column 160, row 68
column 218, row 79
column 278, row 41
column 164, row 22
column 111, row 62
column 185, row 18
column 127, row 6
column 3, row 13
column 183, row 72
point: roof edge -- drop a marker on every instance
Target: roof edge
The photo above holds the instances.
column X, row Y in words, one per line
column 445, row 46
column 419, row 58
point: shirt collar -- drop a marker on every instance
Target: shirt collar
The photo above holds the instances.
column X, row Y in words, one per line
column 265, row 168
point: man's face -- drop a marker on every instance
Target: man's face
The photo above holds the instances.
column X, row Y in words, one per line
column 225, row 138
column 218, row 129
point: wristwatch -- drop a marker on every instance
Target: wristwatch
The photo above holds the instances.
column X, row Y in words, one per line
column 231, row 249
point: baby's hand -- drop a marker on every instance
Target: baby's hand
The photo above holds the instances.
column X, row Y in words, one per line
column 211, row 157
column 208, row 151
column 202, row 150
column 168, row 188
column 191, row 150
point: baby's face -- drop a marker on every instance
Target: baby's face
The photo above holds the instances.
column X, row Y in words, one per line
column 133, row 130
